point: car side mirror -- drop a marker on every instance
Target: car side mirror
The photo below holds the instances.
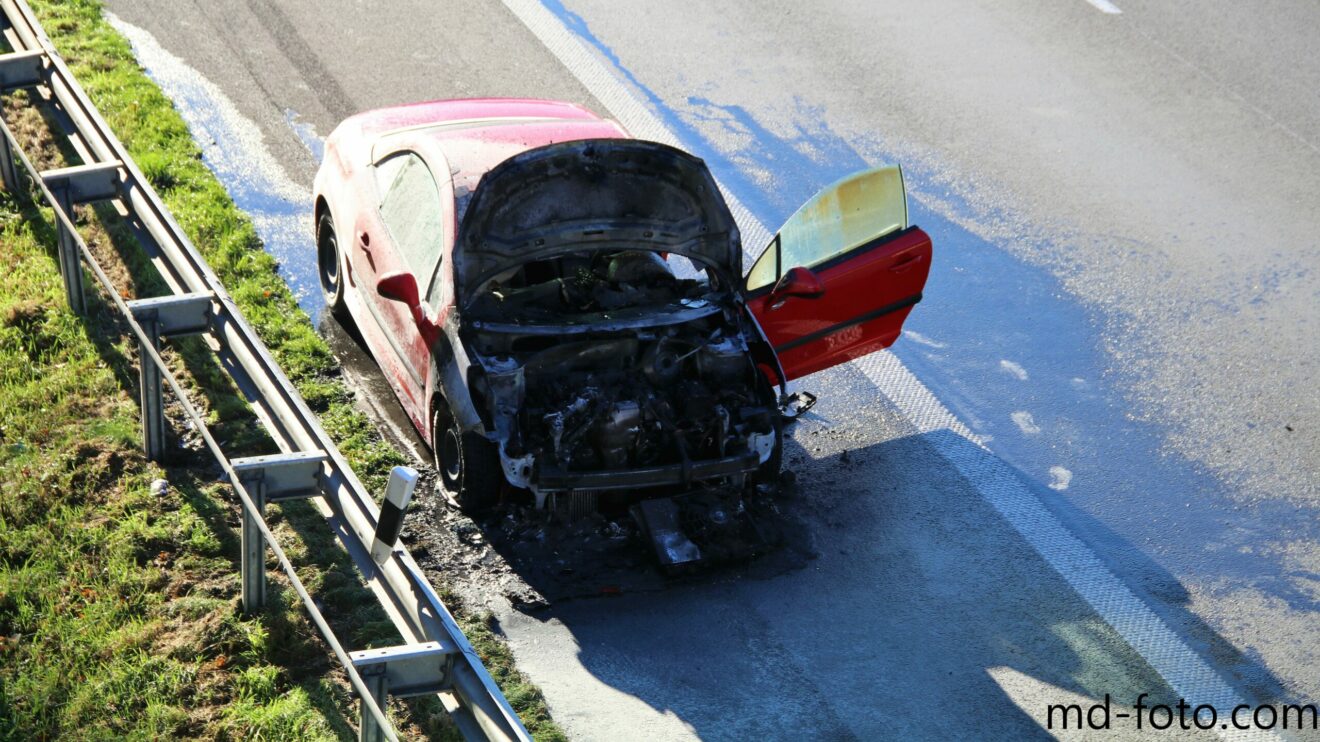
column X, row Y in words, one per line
column 798, row 282
column 399, row 286
column 402, row 286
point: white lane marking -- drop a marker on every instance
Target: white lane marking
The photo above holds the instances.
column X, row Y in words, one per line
column 584, row 63
column 1104, row 6
column 1190, row 676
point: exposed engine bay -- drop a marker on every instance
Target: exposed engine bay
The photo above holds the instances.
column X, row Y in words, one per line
column 603, row 371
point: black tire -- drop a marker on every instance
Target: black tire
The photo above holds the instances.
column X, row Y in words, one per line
column 329, row 264
column 469, row 465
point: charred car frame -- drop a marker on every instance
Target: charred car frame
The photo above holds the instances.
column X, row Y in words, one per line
column 562, row 310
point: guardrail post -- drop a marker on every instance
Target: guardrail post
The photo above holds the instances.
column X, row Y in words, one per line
column 402, row 671
column 21, row 69
column 70, row 265
column 254, row 549
column 8, row 169
column 270, row 478
column 369, row 730
column 152, row 392
column 181, row 314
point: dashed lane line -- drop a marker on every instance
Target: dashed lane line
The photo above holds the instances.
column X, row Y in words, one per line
column 1104, row 6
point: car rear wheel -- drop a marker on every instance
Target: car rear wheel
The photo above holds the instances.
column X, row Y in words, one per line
column 329, row 264
column 469, row 465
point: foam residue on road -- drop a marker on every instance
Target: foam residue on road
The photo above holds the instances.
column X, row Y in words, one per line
column 917, row 337
column 1025, row 422
column 306, row 134
column 1060, row 478
column 233, row 148
column 1014, row 369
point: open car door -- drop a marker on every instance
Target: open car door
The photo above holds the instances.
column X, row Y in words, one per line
column 843, row 273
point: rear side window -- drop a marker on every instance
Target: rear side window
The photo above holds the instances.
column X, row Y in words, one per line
column 412, row 212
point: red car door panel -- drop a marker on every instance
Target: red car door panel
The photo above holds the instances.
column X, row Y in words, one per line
column 842, row 275
column 397, row 344
column 392, row 326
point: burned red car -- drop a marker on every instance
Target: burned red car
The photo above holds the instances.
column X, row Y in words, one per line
column 562, row 309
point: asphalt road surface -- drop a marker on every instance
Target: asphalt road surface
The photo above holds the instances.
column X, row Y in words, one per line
column 1117, row 491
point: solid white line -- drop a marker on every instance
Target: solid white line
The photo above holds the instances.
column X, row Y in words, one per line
column 1190, row 676
column 1104, row 6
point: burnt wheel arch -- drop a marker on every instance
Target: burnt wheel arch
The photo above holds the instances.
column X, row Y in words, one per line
column 467, row 465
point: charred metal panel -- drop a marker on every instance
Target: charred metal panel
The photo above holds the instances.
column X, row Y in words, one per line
column 601, row 194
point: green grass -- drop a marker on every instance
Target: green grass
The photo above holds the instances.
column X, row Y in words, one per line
column 118, row 609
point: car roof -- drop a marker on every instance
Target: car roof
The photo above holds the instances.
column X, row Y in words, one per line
column 475, row 135
column 472, row 151
column 466, row 149
column 381, row 120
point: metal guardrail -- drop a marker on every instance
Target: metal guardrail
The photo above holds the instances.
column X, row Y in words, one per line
column 435, row 656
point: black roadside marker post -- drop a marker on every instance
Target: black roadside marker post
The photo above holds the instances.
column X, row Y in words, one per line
column 398, row 493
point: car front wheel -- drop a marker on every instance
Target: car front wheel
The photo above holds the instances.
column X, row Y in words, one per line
column 329, row 264
column 469, row 465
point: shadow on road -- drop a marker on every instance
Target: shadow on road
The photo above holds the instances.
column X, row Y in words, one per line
column 923, row 614
column 903, row 605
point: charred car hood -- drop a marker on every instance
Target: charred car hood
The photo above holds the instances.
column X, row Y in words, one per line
column 595, row 194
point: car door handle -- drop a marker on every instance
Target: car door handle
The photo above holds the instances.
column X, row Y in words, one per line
column 905, row 263
column 364, row 240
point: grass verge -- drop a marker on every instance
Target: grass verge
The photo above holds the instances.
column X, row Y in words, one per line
column 118, row 607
